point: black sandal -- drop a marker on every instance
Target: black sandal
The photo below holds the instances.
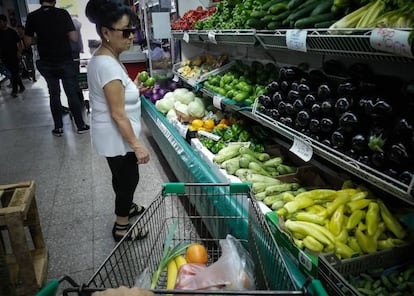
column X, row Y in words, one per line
column 135, row 210
column 136, row 233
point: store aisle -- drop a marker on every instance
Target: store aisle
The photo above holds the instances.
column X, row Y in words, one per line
column 73, row 193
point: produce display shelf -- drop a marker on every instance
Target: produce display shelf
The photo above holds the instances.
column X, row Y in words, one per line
column 376, row 178
column 234, row 37
column 203, row 76
column 193, row 35
column 354, row 43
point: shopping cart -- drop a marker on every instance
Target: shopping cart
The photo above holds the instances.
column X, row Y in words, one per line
column 205, row 213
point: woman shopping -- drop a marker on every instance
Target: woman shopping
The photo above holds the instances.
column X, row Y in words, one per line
column 116, row 109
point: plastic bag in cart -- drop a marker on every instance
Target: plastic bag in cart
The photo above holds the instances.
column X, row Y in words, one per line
column 234, row 270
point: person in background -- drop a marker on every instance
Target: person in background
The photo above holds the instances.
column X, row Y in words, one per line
column 77, row 49
column 116, row 109
column 10, row 54
column 27, row 55
column 54, row 30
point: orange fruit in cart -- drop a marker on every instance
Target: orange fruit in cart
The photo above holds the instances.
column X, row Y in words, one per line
column 196, row 253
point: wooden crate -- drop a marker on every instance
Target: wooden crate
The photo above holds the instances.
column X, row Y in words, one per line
column 21, row 237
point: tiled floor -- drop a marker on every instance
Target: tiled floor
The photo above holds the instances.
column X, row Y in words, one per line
column 73, row 192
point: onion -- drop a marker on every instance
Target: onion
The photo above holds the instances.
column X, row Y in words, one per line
column 155, row 97
column 148, row 93
column 173, row 85
column 163, row 91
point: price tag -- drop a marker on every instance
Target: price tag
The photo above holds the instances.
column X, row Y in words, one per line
column 296, row 39
column 175, row 78
column 301, row 149
column 391, row 40
column 212, row 37
column 186, row 37
column 209, row 135
column 181, row 128
column 217, row 101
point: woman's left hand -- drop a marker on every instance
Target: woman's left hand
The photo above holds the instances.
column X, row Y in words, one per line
column 142, row 154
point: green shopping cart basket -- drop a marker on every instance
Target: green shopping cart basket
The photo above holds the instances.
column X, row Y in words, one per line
column 205, row 214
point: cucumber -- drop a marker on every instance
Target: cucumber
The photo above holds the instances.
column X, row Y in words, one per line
column 280, row 16
column 254, row 23
column 267, row 5
column 258, row 14
column 278, row 8
column 323, row 7
column 295, row 3
column 267, row 18
column 310, row 21
column 326, row 24
column 274, row 25
column 303, row 12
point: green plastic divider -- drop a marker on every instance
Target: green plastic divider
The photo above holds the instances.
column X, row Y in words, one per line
column 50, row 289
column 177, row 188
column 240, row 187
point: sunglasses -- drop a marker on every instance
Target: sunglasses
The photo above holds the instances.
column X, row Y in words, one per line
column 125, row 32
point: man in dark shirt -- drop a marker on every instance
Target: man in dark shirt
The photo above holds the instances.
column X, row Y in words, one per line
column 10, row 53
column 54, row 30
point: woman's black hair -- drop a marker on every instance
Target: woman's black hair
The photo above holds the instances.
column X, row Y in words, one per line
column 104, row 13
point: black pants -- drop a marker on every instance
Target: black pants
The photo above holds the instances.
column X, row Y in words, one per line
column 125, row 177
column 13, row 65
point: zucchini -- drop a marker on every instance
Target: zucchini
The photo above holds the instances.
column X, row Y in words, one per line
column 310, row 21
column 267, row 18
column 323, row 7
column 278, row 8
column 254, row 23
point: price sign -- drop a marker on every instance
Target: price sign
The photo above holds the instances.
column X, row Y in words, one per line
column 209, row 135
column 391, row 40
column 212, row 37
column 186, row 37
column 175, row 78
column 217, row 101
column 296, row 39
column 301, row 149
column 181, row 128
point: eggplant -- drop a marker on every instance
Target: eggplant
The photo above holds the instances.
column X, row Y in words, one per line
column 316, row 109
column 303, row 90
column 377, row 108
column 327, row 125
column 349, row 122
column 314, row 125
column 273, row 87
column 326, row 107
column 292, row 73
column 277, row 98
column 324, row 92
column 367, row 87
column 402, row 129
column 398, row 154
column 281, row 107
column 284, row 86
column 298, row 105
column 346, row 89
column 351, row 153
column 288, row 121
column 360, row 71
column 335, row 67
column 359, row 143
column 273, row 113
column 327, row 142
column 294, row 85
column 317, row 77
column 405, row 177
column 316, row 137
column 338, row 138
column 342, row 105
column 282, row 73
column 309, row 100
column 365, row 159
column 292, row 95
column 265, row 100
column 379, row 160
column 289, row 109
column 262, row 109
column 303, row 118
